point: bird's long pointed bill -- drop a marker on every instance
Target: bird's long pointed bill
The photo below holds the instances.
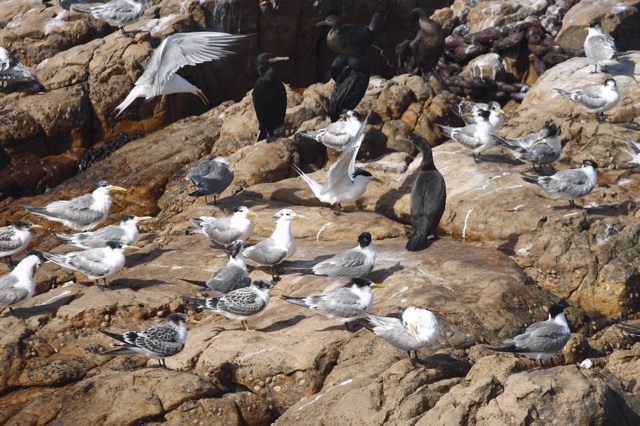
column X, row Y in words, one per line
column 193, row 322
column 380, row 181
column 35, row 226
column 144, row 218
column 467, row 115
column 501, row 111
column 278, row 59
column 203, row 97
column 132, row 248
column 298, row 216
column 117, row 188
column 251, row 214
column 414, row 331
column 378, row 286
column 277, row 288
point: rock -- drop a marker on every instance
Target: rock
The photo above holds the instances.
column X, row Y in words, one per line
column 487, row 67
column 489, row 14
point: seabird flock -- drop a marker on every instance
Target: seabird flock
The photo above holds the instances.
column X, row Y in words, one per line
column 238, row 297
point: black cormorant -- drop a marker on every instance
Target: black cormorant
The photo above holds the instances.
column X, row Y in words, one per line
column 269, row 96
column 351, row 39
column 351, row 74
column 428, row 45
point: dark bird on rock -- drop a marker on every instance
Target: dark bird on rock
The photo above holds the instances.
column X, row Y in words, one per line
column 211, row 177
column 351, row 75
column 428, row 198
column 269, row 96
column 428, row 45
column 351, row 39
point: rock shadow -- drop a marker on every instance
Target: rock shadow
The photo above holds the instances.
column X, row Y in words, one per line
column 133, row 284
column 379, row 275
column 137, row 259
column 282, row 324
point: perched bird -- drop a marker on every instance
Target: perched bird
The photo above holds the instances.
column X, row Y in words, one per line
column 477, row 137
column 353, row 263
column 336, row 135
column 12, row 70
column 634, row 153
column 269, row 96
column 539, row 148
column 351, row 76
column 211, row 177
column 240, row 304
column 279, row 246
column 466, row 109
column 15, row 237
column 230, row 277
column 417, row 328
column 428, row 198
column 95, row 263
column 126, row 232
column 81, row 213
column 19, row 285
column 599, row 48
column 227, row 229
column 351, row 39
column 343, row 304
column 428, row 45
column 157, row 342
column 568, row 184
column 176, row 51
column 541, row 340
column 342, row 183
column 595, row 99
column 116, row 13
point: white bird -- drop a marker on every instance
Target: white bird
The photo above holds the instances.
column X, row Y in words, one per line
column 634, row 153
column 19, row 284
column 95, row 263
column 336, row 135
column 81, row 213
column 353, row 263
column 176, row 51
column 240, row 304
column 417, row 328
column 542, row 147
column 211, row 177
column 116, row 13
column 15, row 237
column 541, row 340
column 279, row 246
column 599, row 48
column 343, row 183
column 477, row 137
column 11, row 69
column 156, row 342
column 465, row 110
column 227, row 229
column 595, row 99
column 343, row 304
column 568, row 184
column 127, row 233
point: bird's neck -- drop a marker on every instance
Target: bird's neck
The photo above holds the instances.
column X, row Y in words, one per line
column 25, row 268
column 283, row 230
column 238, row 260
column 101, row 198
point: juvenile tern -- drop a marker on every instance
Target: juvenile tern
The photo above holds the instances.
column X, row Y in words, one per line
column 116, row 13
column 19, row 284
column 417, row 328
column 541, row 340
column 279, row 246
column 595, row 99
column 599, row 48
column 351, row 76
column 11, row 69
column 336, row 135
column 81, row 213
column 126, row 232
column 634, row 153
column 353, row 263
column 343, row 304
column 95, row 263
column 211, row 177
column 428, row 198
column 538, row 148
column 240, row 304
column 568, row 184
column 269, row 96
column 465, row 110
column 156, row 342
column 227, row 229
column 15, row 237
column 230, row 277
column 176, row 51
column 477, row 137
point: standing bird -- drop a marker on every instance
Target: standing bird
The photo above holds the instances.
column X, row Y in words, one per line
column 15, row 237
column 428, row 45
column 599, row 48
column 428, row 198
column 477, row 137
column 568, row 184
column 240, row 304
column 351, row 76
column 417, row 328
column 211, row 177
column 176, row 51
column 12, row 70
column 230, row 277
column 351, row 39
column 19, row 285
column 95, row 263
column 541, row 340
column 81, row 213
column 336, row 135
column 540, row 148
column 353, row 263
column 116, row 13
column 227, row 229
column 269, row 96
column 595, row 99
column 466, row 109
column 157, row 342
column 343, row 304
column 279, row 246
column 634, row 153
column 126, row 232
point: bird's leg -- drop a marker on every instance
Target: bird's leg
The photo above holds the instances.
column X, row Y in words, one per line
column 413, row 363
column 205, row 200
column 245, row 325
column 572, row 204
column 12, row 312
column 11, row 261
column 534, row 168
column 474, row 157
